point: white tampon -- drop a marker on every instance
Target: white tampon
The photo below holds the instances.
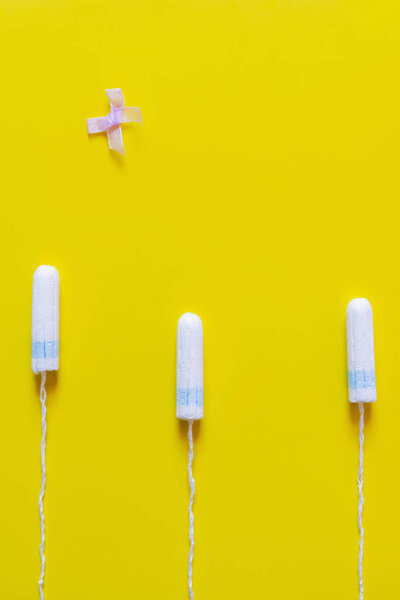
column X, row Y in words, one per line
column 44, row 357
column 360, row 351
column 189, row 368
column 189, row 399
column 362, row 388
column 45, row 319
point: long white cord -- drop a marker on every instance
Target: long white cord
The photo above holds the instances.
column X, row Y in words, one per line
column 42, row 490
column 191, row 517
column 361, row 500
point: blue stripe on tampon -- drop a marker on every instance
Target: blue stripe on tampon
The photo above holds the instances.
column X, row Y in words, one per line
column 189, row 397
column 361, row 379
column 45, row 349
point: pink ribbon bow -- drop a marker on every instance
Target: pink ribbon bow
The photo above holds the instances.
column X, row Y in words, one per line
column 112, row 122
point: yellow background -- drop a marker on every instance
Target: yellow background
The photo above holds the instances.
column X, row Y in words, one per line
column 263, row 194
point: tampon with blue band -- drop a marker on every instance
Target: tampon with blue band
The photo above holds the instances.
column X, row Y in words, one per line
column 360, row 351
column 189, row 368
column 45, row 319
column 362, row 388
column 189, row 399
column 44, row 357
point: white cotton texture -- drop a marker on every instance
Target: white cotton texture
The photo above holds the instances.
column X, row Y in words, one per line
column 360, row 351
column 45, row 319
column 189, row 368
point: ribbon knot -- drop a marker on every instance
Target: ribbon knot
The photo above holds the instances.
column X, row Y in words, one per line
column 118, row 114
column 114, row 117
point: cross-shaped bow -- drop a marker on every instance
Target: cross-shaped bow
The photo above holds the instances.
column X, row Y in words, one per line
column 118, row 114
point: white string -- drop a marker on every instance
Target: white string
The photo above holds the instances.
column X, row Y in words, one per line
column 43, row 457
column 191, row 517
column 361, row 500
